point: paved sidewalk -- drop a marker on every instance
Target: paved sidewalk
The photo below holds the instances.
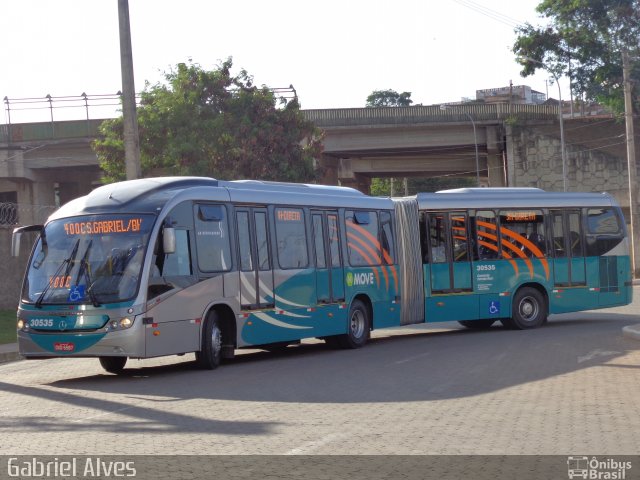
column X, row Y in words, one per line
column 9, row 353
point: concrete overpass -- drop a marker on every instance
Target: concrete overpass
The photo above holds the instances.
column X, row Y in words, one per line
column 518, row 145
column 362, row 143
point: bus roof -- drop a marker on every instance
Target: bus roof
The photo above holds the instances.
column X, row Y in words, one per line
column 489, row 198
column 152, row 194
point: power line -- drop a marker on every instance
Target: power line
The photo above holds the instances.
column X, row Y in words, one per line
column 488, row 12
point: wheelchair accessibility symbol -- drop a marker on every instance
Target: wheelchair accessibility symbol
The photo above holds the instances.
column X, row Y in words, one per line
column 494, row 308
column 77, row 293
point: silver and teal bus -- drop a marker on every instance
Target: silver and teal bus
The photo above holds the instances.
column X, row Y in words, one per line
column 173, row 265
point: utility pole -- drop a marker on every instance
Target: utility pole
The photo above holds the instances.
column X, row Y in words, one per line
column 631, row 158
column 129, row 117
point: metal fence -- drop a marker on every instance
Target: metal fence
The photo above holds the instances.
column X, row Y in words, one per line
column 14, row 214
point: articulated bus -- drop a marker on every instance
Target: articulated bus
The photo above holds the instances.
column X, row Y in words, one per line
column 173, row 265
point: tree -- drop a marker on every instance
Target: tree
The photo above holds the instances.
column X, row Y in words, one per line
column 213, row 123
column 389, row 98
column 584, row 39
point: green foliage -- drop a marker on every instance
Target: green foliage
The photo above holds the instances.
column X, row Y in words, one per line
column 389, row 98
column 381, row 187
column 8, row 326
column 213, row 123
column 585, row 40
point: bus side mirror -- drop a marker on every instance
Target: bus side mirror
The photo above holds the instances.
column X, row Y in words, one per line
column 169, row 240
column 17, row 235
column 15, row 244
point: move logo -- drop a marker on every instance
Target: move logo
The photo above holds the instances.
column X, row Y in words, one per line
column 359, row 279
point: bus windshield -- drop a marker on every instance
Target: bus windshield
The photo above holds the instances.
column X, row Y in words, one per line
column 92, row 259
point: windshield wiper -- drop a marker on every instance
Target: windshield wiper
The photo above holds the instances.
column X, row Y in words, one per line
column 84, row 271
column 67, row 261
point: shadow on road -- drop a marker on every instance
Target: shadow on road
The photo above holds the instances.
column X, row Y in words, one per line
column 410, row 364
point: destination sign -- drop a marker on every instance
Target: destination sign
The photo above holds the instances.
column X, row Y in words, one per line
column 103, row 226
column 521, row 217
column 288, row 215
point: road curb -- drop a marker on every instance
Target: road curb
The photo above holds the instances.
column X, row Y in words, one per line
column 632, row 331
column 6, row 357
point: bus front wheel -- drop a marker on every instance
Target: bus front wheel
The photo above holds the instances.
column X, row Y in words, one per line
column 211, row 351
column 358, row 328
column 113, row 364
column 529, row 309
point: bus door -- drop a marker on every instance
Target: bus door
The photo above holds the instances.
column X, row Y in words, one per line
column 329, row 267
column 451, row 290
column 569, row 269
column 256, row 270
column 605, row 248
column 568, row 246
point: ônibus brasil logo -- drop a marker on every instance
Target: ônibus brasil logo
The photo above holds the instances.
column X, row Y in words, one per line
column 597, row 469
column 359, row 279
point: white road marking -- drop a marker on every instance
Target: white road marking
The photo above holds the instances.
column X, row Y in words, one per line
column 596, row 353
column 411, row 359
column 310, row 447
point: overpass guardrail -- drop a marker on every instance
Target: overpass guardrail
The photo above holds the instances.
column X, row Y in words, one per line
column 428, row 114
column 323, row 118
column 58, row 130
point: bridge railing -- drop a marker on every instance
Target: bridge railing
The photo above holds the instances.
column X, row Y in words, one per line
column 337, row 117
column 428, row 114
column 58, row 130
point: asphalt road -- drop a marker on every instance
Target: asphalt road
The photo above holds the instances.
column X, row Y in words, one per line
column 567, row 388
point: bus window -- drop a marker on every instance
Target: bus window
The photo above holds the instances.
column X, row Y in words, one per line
column 559, row 250
column 334, row 241
column 178, row 263
column 523, row 230
column 292, row 238
column 437, row 241
column 459, row 237
column 487, row 238
column 386, row 238
column 244, row 242
column 604, row 231
column 602, row 221
column 575, row 235
column 362, row 238
column 318, row 240
column 262, row 239
column 212, row 238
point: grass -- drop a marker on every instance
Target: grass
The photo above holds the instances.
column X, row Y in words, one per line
column 7, row 326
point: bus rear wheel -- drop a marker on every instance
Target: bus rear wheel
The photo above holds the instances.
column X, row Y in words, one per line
column 529, row 309
column 358, row 328
column 113, row 364
column 210, row 354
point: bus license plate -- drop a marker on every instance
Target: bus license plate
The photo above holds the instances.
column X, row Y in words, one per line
column 64, row 347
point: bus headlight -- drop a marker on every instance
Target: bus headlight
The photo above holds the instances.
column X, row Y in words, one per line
column 21, row 324
column 125, row 322
column 121, row 324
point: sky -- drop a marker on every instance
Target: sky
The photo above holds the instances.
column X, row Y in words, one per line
column 334, row 52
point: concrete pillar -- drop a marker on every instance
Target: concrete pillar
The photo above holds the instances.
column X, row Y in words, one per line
column 495, row 160
column 512, row 159
column 359, row 182
column 329, row 167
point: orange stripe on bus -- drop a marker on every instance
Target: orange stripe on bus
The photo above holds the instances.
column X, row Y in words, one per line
column 490, row 246
column 535, row 250
column 531, row 246
column 366, row 257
